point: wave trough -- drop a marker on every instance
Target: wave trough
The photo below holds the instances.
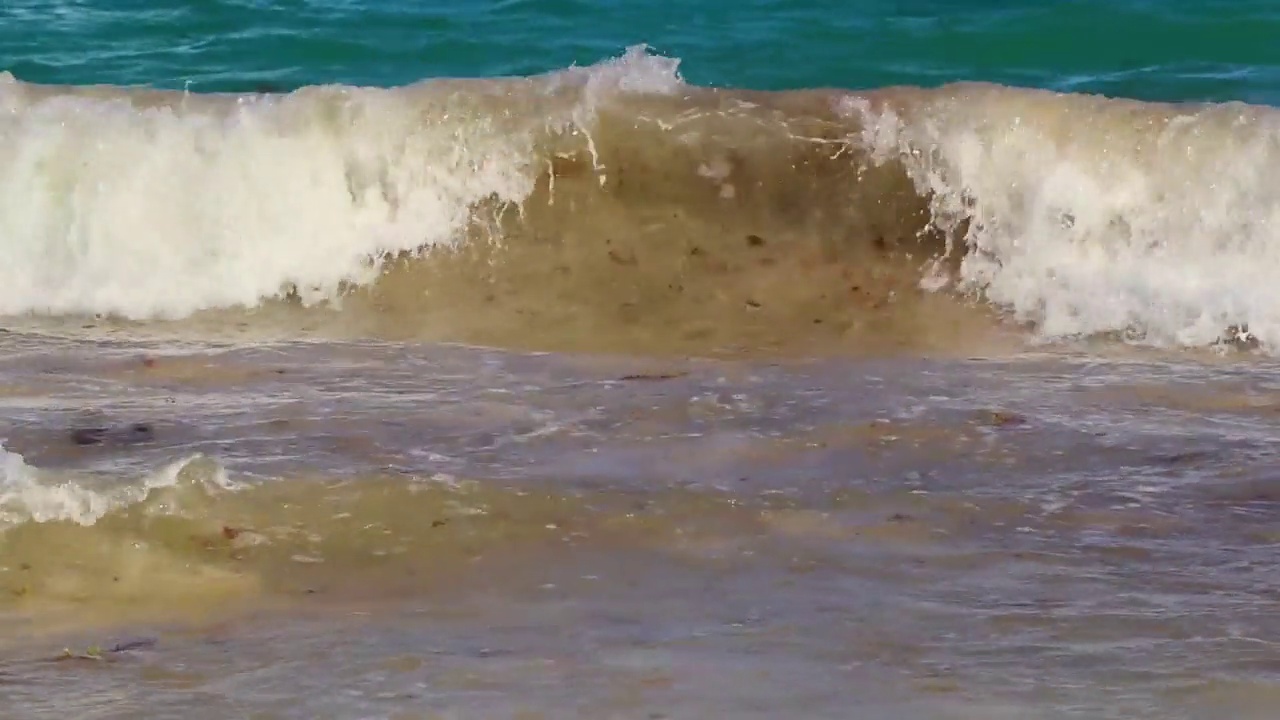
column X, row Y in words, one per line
column 618, row 195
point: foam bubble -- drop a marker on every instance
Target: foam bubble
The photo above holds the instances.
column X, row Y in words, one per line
column 157, row 205
column 1086, row 215
column 25, row 496
column 32, row 494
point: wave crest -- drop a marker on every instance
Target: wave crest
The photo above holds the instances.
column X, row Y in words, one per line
column 616, row 200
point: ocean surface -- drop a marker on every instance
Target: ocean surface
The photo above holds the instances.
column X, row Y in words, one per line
column 555, row 359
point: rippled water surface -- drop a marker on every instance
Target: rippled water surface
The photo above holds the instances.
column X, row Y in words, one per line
column 566, row 360
column 419, row 529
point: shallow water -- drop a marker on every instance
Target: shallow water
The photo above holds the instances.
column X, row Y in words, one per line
column 434, row 530
column 777, row 369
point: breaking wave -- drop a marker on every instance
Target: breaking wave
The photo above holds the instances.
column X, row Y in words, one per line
column 618, row 198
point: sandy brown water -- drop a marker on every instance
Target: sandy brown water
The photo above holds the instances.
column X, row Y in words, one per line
column 426, row 530
column 723, row 439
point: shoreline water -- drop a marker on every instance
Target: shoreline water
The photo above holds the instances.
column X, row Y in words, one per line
column 601, row 392
column 553, row 519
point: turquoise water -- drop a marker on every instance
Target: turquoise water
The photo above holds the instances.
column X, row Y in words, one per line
column 1172, row 50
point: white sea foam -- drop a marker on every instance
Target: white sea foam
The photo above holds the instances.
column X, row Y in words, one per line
column 1088, row 215
column 1080, row 214
column 31, row 494
column 151, row 205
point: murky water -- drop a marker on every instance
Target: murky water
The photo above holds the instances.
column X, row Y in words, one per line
column 243, row 472
column 371, row 530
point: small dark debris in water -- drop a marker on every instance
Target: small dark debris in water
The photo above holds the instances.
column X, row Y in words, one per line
column 139, row 432
column 742, row 479
column 231, row 533
column 855, row 288
column 755, row 241
column 139, row 644
column 280, row 371
column 620, row 259
column 19, row 592
column 311, row 591
column 24, row 566
column 696, row 251
column 1003, row 419
column 148, row 362
column 654, row 376
column 115, row 578
column 817, row 321
column 135, row 433
column 1189, row 456
column 753, row 304
column 88, row 436
column 98, row 654
column 1246, row 495
column 900, row 517
column 439, row 523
